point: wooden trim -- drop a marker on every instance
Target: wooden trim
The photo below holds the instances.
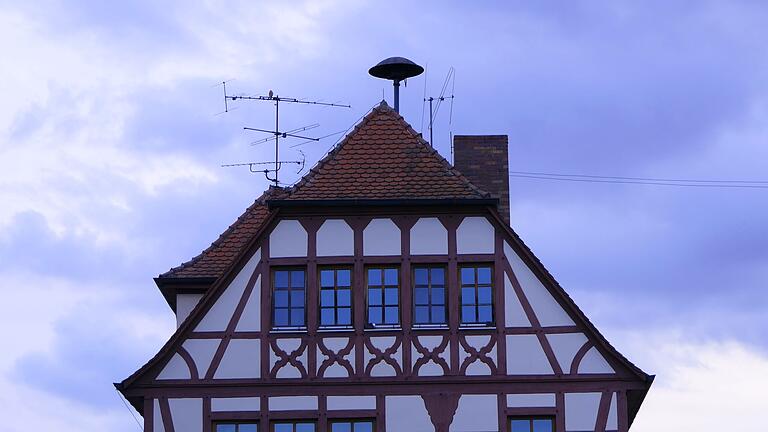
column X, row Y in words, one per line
column 165, row 413
column 149, row 414
column 602, row 411
column 184, row 354
column 576, row 362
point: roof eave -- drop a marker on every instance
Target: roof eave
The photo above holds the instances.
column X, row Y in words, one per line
column 170, row 286
column 368, row 202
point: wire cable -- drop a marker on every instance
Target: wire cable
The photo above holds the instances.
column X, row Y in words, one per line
column 707, row 184
column 141, row 428
column 638, row 178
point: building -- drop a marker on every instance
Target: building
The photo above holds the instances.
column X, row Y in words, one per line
column 384, row 291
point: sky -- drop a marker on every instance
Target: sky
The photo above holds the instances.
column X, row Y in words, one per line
column 112, row 137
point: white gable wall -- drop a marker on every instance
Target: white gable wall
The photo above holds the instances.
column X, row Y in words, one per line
column 250, row 319
column 514, row 314
column 429, row 237
column 202, row 352
column 581, row 411
column 565, row 347
column 184, row 305
column 525, row 356
column 475, row 413
column 175, row 369
column 594, row 362
column 475, row 235
column 242, row 359
column 187, row 414
column 408, row 413
column 288, row 239
column 157, row 417
column 335, row 238
column 381, row 237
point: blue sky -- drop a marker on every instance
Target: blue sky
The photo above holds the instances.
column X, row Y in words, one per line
column 110, row 151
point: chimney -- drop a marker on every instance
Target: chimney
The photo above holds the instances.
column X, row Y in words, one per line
column 483, row 160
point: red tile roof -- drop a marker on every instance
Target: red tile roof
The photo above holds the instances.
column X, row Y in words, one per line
column 382, row 158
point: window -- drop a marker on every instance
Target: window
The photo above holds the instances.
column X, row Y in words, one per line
column 383, row 296
column 289, row 289
column 351, row 426
column 429, row 295
column 293, row 426
column 476, row 295
column 237, row 427
column 335, row 297
column 532, row 424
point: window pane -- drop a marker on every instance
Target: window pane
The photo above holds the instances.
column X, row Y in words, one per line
column 390, row 277
column 297, row 278
column 468, row 314
column 484, row 295
column 438, row 276
column 420, row 275
column 363, row 427
column 281, row 298
column 343, row 297
column 484, row 314
column 281, row 279
column 297, row 298
column 343, row 278
column 225, row 428
column 297, row 316
column 438, row 315
column 305, row 427
column 281, row 317
column 326, row 278
column 438, row 296
column 341, row 427
column 421, row 296
column 422, row 315
column 390, row 315
column 374, row 296
column 484, row 275
column 521, row 425
column 326, row 298
column 327, row 316
column 390, row 296
column 248, row 428
column 284, row 427
column 374, row 315
column 542, row 425
column 468, row 296
column 345, row 316
column 374, row 276
column 468, row 276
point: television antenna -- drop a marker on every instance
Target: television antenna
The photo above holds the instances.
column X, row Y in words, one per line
column 450, row 78
column 276, row 132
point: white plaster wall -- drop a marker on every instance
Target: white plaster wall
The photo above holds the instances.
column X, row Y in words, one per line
column 381, row 237
column 514, row 314
column 525, row 356
column 407, row 413
column 236, row 404
column 546, row 308
column 157, row 418
column 292, row 403
column 175, row 369
column 218, row 316
column 565, row 346
column 288, row 239
column 475, row 235
column 184, row 305
column 335, row 238
column 242, row 359
column 476, row 413
column 250, row 320
column 187, row 414
column 429, row 237
column 613, row 419
column 201, row 351
column 594, row 362
column 581, row 411
column 351, row 402
column 534, row 400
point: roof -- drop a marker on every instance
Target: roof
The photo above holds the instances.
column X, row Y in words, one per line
column 383, row 158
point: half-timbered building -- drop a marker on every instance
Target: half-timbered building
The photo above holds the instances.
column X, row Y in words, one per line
column 385, row 291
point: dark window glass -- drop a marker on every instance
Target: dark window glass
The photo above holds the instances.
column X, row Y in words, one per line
column 288, row 426
column 383, row 296
column 288, row 298
column 237, row 427
column 352, row 426
column 532, row 424
column 429, row 295
column 336, row 297
column 476, row 295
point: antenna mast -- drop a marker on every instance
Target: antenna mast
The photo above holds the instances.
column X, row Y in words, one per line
column 276, row 133
column 451, row 77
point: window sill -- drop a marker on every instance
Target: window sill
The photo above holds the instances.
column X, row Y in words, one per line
column 384, row 328
column 477, row 326
column 335, row 328
column 430, row 327
column 288, row 329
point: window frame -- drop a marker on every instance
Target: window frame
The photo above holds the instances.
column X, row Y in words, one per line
column 237, row 424
column 289, row 269
column 335, row 268
column 368, row 325
column 531, row 419
column 475, row 266
column 446, row 297
column 273, row 423
column 354, row 420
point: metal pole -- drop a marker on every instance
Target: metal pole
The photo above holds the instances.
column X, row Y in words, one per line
column 396, row 83
column 430, row 121
column 277, row 135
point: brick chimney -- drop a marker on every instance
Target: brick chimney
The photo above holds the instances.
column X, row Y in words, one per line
column 483, row 160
